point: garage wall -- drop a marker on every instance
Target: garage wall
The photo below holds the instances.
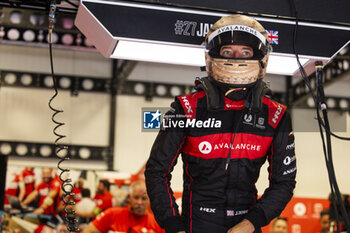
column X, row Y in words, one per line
column 26, row 117
column 312, row 176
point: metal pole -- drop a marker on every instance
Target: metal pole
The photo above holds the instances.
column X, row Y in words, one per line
column 289, row 91
column 112, row 116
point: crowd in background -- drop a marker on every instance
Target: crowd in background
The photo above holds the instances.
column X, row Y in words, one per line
column 44, row 199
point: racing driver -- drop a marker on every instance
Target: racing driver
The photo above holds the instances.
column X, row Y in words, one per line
column 222, row 160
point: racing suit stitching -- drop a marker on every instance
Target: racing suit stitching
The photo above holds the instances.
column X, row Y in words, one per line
column 167, row 173
column 271, row 162
column 171, row 200
column 189, row 188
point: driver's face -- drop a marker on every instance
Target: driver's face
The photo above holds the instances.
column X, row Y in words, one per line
column 236, row 51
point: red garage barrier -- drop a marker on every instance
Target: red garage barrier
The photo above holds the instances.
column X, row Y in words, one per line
column 303, row 215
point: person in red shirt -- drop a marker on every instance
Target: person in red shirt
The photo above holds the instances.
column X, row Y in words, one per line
column 15, row 188
column 77, row 194
column 325, row 221
column 28, row 177
column 134, row 218
column 78, row 187
column 47, row 192
column 77, row 198
column 279, row 225
column 103, row 198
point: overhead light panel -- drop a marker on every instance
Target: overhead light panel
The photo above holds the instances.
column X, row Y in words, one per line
column 284, row 65
column 162, row 53
column 181, row 55
column 165, row 34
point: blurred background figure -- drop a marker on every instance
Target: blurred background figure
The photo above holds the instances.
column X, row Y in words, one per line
column 62, row 228
column 15, row 187
column 76, row 197
column 47, row 192
column 78, row 187
column 80, row 183
column 335, row 211
column 134, row 218
column 279, row 225
column 47, row 195
column 103, row 198
column 121, row 197
column 85, row 208
column 28, row 177
column 325, row 221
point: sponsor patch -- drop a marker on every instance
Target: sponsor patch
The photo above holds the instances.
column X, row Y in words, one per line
column 260, row 123
column 248, row 119
column 277, row 114
column 276, row 111
column 230, row 213
column 208, row 210
column 288, row 160
column 289, row 171
column 236, row 212
column 205, row 147
column 290, row 146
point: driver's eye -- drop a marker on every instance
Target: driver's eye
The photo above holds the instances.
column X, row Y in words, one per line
column 226, row 53
column 247, row 54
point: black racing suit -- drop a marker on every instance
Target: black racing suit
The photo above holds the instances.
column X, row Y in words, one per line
column 219, row 180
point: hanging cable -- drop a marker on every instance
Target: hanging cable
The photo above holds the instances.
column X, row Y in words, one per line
column 302, row 70
column 327, row 146
column 319, row 101
column 67, row 187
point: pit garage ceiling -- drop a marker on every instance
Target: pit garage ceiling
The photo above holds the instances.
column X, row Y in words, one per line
column 320, row 12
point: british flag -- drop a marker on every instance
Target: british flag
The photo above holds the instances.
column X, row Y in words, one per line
column 230, row 213
column 273, row 36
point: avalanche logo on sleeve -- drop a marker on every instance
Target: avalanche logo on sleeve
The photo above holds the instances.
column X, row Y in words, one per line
column 151, row 119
